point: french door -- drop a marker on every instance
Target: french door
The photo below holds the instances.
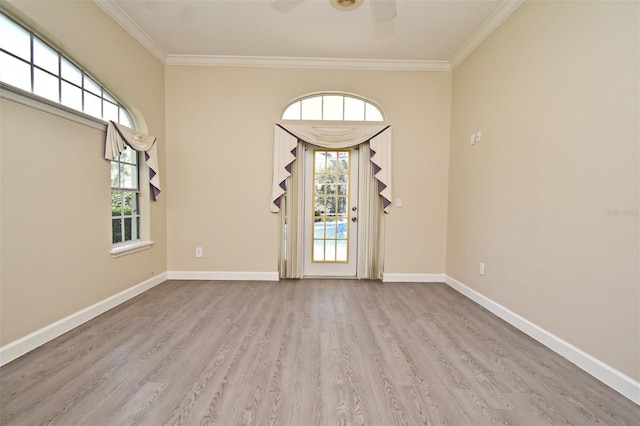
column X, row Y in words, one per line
column 330, row 212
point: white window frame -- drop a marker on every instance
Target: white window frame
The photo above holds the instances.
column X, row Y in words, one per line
column 121, row 163
column 56, row 107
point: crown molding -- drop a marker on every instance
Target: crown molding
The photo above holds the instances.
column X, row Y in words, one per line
column 292, row 62
column 132, row 28
column 474, row 41
column 489, row 26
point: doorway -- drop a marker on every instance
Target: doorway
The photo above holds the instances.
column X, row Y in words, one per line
column 332, row 219
column 330, row 245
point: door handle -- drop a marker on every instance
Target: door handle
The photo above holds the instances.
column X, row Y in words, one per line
column 354, row 219
column 353, row 209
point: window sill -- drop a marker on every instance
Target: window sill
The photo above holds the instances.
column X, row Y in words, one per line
column 34, row 101
column 129, row 248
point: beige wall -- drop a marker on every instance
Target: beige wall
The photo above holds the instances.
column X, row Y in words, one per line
column 55, row 220
column 555, row 92
column 548, row 200
column 220, row 143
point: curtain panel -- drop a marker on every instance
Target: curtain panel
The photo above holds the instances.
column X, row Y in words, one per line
column 119, row 137
column 286, row 137
column 287, row 196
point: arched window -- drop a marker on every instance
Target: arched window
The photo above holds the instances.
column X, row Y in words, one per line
column 33, row 65
column 30, row 64
column 332, row 107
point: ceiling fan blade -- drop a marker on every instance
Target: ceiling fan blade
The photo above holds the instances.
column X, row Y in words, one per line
column 384, row 10
column 285, row 6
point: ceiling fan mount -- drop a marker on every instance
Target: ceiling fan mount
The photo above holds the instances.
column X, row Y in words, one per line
column 346, row 4
column 383, row 10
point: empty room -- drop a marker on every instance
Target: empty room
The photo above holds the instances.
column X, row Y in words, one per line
column 318, row 212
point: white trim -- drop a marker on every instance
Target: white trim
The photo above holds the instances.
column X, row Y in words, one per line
column 29, row 99
column 413, row 278
column 118, row 15
column 19, row 347
column 598, row 369
column 223, row 275
column 130, row 247
column 488, row 27
column 321, row 63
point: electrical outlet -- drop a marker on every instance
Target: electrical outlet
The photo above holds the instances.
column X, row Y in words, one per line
column 482, row 269
column 198, row 251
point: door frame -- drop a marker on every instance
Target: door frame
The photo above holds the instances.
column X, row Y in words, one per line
column 328, row 269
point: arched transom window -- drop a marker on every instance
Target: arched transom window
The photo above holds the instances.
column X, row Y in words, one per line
column 332, row 107
column 29, row 63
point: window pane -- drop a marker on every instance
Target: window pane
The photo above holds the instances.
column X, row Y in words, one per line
column 92, row 86
column 332, row 107
column 312, row 108
column 14, row 38
column 45, row 57
column 330, row 251
column 318, row 250
column 108, row 97
column 115, row 174
column 341, row 251
column 292, row 113
column 332, row 162
column 125, row 118
column 343, row 162
column 92, row 105
column 116, row 202
column 128, row 176
column 318, row 208
column 131, row 226
column 372, row 113
column 353, row 109
column 15, row 72
column 343, row 225
column 331, row 208
column 320, row 161
column 318, row 230
column 319, row 184
column 128, row 229
column 70, row 72
column 71, row 96
column 130, row 203
column 128, row 156
column 46, row 85
column 116, row 230
column 109, row 111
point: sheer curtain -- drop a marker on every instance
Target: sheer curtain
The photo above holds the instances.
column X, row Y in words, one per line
column 374, row 194
column 370, row 219
column 292, row 220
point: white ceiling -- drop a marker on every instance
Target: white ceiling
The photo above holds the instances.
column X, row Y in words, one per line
column 425, row 34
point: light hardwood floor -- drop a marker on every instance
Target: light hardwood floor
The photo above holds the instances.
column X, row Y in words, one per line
column 310, row 352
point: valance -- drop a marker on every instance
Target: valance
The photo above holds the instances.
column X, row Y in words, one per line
column 119, row 136
column 335, row 137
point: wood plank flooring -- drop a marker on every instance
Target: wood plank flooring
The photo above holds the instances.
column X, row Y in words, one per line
column 310, row 352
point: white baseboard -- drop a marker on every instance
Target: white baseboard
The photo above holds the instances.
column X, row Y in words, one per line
column 598, row 369
column 221, row 275
column 413, row 278
column 19, row 347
